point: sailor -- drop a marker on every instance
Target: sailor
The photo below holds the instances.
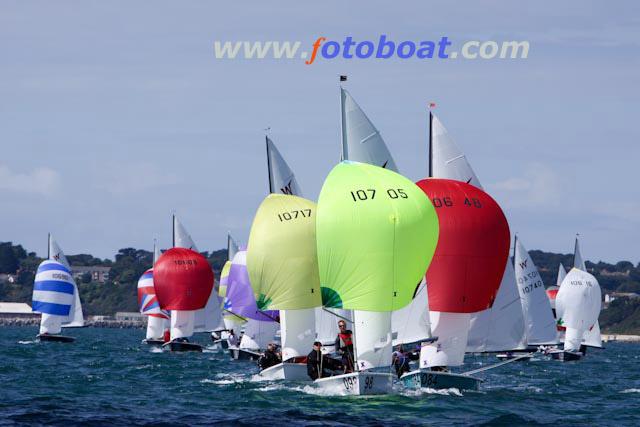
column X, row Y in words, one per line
column 233, row 339
column 318, row 364
column 400, row 361
column 270, row 357
column 344, row 346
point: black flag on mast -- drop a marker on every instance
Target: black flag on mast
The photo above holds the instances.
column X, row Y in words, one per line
column 343, row 78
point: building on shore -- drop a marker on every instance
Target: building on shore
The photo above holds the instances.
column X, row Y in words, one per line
column 17, row 310
column 129, row 316
column 98, row 273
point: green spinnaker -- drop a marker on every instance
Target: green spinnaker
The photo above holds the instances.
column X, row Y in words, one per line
column 376, row 233
column 281, row 257
column 224, row 274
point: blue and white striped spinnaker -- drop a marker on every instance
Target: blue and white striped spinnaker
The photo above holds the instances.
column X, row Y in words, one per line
column 53, row 294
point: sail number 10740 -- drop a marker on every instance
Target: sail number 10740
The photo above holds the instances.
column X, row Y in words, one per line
column 370, row 194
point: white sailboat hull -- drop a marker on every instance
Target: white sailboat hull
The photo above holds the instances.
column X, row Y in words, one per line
column 439, row 380
column 357, row 383
column 286, row 371
column 243, row 354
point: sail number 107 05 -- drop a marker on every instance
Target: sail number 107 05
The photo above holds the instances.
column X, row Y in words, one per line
column 370, row 194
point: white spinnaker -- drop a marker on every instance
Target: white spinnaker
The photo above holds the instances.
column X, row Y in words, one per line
column 562, row 273
column 257, row 334
column 281, row 177
column 578, row 306
column 361, row 141
column 500, row 328
column 578, row 262
column 372, row 339
column 297, row 329
column 451, row 330
column 411, row 323
column 447, row 160
column 540, row 325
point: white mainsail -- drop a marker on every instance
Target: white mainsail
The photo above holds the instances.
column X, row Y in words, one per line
column 540, row 325
column 578, row 262
column 281, row 177
column 362, row 142
column 500, row 328
column 578, row 306
column 327, row 324
column 592, row 337
column 447, row 160
column 257, row 334
column 562, row 273
column 411, row 324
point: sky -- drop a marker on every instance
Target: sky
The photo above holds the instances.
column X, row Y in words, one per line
column 115, row 115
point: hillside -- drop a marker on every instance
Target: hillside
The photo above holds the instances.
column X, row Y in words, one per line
column 119, row 292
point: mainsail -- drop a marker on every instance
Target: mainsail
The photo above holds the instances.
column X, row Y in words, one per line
column 540, row 324
column 361, row 141
column 592, row 337
column 411, row 324
column 376, row 233
column 281, row 177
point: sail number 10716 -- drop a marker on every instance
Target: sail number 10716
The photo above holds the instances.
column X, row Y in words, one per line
column 370, row 194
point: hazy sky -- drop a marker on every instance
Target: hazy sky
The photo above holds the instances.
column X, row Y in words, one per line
column 115, row 114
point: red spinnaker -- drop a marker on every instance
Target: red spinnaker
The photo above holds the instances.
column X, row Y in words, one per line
column 183, row 280
column 472, row 250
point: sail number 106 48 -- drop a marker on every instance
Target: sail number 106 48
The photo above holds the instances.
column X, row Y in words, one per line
column 370, row 194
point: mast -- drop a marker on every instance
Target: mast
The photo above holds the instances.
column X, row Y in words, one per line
column 343, row 121
column 173, row 228
column 430, row 144
column 515, row 242
column 268, row 166
column 49, row 246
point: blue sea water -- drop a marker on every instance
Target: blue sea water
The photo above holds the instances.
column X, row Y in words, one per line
column 108, row 378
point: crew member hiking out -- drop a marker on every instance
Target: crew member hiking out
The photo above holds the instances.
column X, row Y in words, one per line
column 269, row 358
column 344, row 346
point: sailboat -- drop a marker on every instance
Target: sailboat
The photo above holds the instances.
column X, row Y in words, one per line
column 150, row 307
column 540, row 324
column 261, row 326
column 361, row 142
column 283, row 269
column 231, row 322
column 56, row 296
column 463, row 277
column 376, row 234
column 184, row 282
column 578, row 304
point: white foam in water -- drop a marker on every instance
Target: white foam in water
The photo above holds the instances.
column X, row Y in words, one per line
column 631, row 390
column 225, row 379
column 422, row 391
column 27, row 342
column 156, row 350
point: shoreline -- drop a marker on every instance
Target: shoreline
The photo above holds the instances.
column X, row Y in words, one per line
column 117, row 324
column 620, row 338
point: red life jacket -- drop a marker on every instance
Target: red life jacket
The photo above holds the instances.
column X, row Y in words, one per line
column 345, row 339
column 167, row 335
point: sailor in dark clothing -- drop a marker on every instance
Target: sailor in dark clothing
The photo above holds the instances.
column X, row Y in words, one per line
column 318, row 364
column 400, row 361
column 344, row 346
column 270, row 357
